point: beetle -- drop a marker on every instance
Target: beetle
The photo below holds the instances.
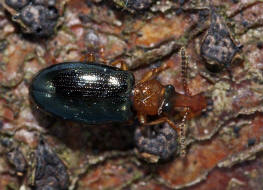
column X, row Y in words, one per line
column 95, row 93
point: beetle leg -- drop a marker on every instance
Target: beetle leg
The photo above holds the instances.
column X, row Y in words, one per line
column 153, row 73
column 182, row 133
column 123, row 65
column 88, row 57
column 163, row 120
column 142, row 118
column 102, row 55
column 53, row 60
column 182, row 126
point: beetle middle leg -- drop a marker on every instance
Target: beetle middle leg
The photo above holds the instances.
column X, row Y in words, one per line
column 90, row 57
column 153, row 73
column 123, row 65
column 162, row 120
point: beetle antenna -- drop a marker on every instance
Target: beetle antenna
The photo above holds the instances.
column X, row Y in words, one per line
column 184, row 71
column 182, row 126
column 182, row 134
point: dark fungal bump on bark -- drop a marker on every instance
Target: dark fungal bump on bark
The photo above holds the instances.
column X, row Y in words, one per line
column 218, row 48
column 159, row 140
column 17, row 4
column 17, row 159
column 49, row 172
column 38, row 17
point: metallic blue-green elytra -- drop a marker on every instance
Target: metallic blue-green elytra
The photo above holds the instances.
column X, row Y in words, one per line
column 86, row 92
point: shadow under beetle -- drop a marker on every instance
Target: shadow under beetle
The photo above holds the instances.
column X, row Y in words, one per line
column 95, row 93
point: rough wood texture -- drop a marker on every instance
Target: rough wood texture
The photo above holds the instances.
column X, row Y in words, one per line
column 224, row 144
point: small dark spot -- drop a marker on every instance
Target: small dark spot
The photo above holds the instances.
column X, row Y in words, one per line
column 38, row 30
column 223, row 54
column 28, row 17
column 151, row 145
column 152, row 134
column 95, row 151
column 223, row 33
column 181, row 2
column 215, row 27
column 143, row 142
column 45, row 2
column 203, row 14
column 251, row 141
column 207, row 41
column 204, row 113
column 172, row 147
column 84, row 18
column 169, row 136
column 224, row 44
column 239, row 47
column 245, row 23
column 164, row 153
column 211, row 51
column 6, row 142
column 179, row 11
column 1, row 124
column 216, row 52
column 17, row 4
column 214, row 17
column 260, row 45
column 160, row 127
column 217, row 37
column 129, row 170
column 3, row 45
column 88, row 3
column 236, row 130
column 17, row 159
column 229, row 56
column 160, row 140
column 52, row 13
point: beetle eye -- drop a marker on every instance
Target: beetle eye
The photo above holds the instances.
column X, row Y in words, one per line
column 167, row 106
column 169, row 90
column 167, row 103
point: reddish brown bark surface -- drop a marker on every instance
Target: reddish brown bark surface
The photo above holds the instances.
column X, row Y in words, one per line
column 224, row 143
